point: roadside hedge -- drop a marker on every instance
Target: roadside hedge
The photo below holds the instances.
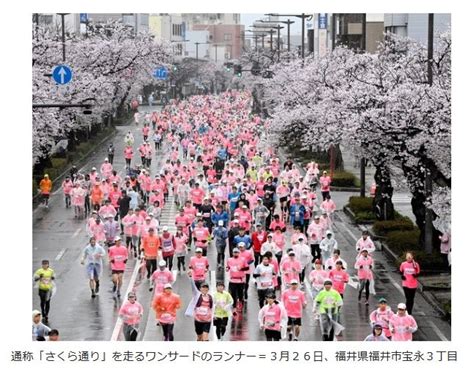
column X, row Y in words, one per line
column 383, row 227
column 360, row 204
column 343, row 179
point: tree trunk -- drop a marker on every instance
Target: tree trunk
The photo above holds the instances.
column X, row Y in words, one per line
column 382, row 205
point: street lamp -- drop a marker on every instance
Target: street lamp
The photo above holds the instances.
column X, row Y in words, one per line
column 63, row 35
column 278, row 28
column 303, row 17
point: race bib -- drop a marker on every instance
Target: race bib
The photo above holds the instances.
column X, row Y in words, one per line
column 267, row 284
column 167, row 317
column 202, row 311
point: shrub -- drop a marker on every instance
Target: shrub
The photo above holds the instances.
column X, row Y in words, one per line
column 402, row 241
column 383, row 227
column 360, row 204
column 343, row 179
column 58, row 162
column 364, row 217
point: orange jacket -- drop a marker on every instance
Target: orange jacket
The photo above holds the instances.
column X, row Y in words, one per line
column 46, row 185
column 150, row 246
column 96, row 195
column 165, row 307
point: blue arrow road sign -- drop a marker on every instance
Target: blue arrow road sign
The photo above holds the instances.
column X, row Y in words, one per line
column 161, row 73
column 62, row 74
column 83, row 17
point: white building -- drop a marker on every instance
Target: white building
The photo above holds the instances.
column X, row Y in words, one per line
column 415, row 26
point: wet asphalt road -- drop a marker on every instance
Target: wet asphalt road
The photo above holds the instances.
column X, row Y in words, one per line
column 59, row 237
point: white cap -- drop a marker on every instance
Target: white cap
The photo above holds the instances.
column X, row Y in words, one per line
column 220, row 222
column 294, row 281
column 168, row 285
column 106, row 159
column 198, row 249
column 235, row 220
column 118, row 238
column 93, row 168
column 401, row 305
column 241, row 244
column 36, row 312
column 162, row 263
column 165, row 228
column 328, row 232
column 244, row 207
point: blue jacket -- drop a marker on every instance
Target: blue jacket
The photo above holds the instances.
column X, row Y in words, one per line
column 245, row 239
column 293, row 209
column 215, row 217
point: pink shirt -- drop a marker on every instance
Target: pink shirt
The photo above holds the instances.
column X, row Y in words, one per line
column 203, row 313
column 294, row 301
column 325, row 182
column 290, row 270
column 270, row 316
column 409, row 270
column 317, row 278
column 131, row 312
column 383, row 317
column 198, row 266
column 160, row 278
column 339, row 279
column 365, row 272
column 201, row 234
column 234, row 266
column 366, row 244
column 402, row 327
column 118, row 256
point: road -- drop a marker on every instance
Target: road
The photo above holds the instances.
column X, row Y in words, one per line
column 59, row 237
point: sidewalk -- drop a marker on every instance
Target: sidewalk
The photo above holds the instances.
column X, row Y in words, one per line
column 401, row 197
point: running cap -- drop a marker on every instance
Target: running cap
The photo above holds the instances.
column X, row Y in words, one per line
column 36, row 313
column 258, row 225
column 328, row 232
column 205, row 285
column 93, row 168
column 168, row 285
column 291, row 253
column 236, row 221
column 198, row 249
column 270, row 235
column 235, row 250
column 244, row 207
column 148, row 217
column 106, row 159
column 300, row 238
column 165, row 229
column 162, row 263
column 241, row 244
column 118, row 238
column 382, row 300
column 294, row 281
column 270, row 295
column 131, row 294
column 327, row 281
column 316, row 217
column 378, row 325
column 220, row 222
column 401, row 306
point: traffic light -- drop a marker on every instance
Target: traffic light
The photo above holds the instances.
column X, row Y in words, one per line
column 175, row 68
column 238, row 70
column 255, row 70
column 228, row 66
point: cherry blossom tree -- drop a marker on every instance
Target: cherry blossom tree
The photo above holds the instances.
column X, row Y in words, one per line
column 109, row 66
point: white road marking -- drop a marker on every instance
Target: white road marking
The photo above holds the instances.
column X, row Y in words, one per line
column 437, row 331
column 212, row 289
column 353, row 282
column 76, row 233
column 397, row 286
column 119, row 323
column 60, row 255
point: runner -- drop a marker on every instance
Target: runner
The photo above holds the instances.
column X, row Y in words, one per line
column 131, row 313
column 94, row 254
column 39, row 330
column 326, row 306
column 149, row 250
column 294, row 301
column 160, row 278
column 220, row 235
column 45, row 277
column 364, row 265
column 201, row 308
column 45, row 186
column 317, row 278
column 67, row 187
column 198, row 267
column 377, row 334
column 382, row 316
column 168, row 247
column 273, row 318
column 118, row 256
column 166, row 304
column 236, row 267
column 402, row 325
column 410, row 270
column 264, row 274
column 365, row 243
column 222, row 309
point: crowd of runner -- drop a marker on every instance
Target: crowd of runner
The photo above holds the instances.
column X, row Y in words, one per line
column 270, row 225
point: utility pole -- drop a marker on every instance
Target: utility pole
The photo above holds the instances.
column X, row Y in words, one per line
column 428, row 179
column 271, row 38
column 362, row 160
column 63, row 34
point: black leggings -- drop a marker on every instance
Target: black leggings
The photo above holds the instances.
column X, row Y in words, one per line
column 169, row 261
column 181, row 263
column 150, row 267
column 272, row 335
column 410, row 298
column 236, row 290
column 221, row 325
column 45, row 297
column 168, row 331
column 315, row 252
column 364, row 284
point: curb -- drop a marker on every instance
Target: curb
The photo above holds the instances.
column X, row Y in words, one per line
column 66, row 171
column 429, row 297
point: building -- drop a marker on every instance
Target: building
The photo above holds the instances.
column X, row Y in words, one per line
column 171, row 28
column 226, row 39
column 198, row 46
column 211, row 18
column 415, row 26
